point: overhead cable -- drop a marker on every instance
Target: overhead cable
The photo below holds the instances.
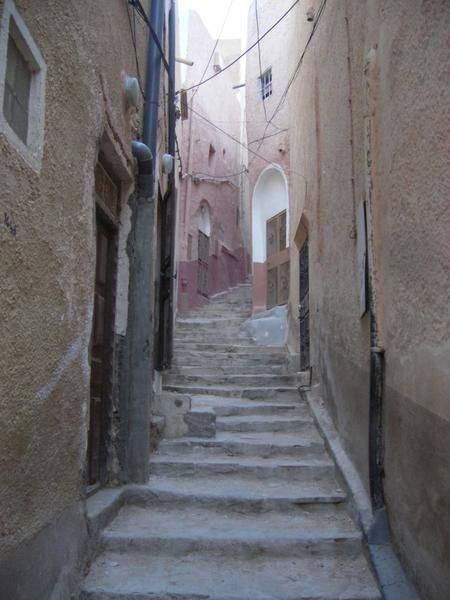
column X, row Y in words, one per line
column 294, row 74
column 140, row 10
column 233, row 62
column 259, row 59
column 215, row 46
column 133, row 39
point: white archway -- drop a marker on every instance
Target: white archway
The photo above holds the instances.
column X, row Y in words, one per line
column 270, row 197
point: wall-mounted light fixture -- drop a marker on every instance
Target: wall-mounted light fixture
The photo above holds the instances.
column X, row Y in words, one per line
column 167, row 163
column 132, row 91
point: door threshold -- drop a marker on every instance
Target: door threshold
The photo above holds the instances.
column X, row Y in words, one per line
column 91, row 489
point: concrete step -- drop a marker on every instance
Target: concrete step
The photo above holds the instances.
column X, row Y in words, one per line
column 229, row 407
column 207, row 322
column 223, row 337
column 246, row 380
column 265, row 444
column 238, row 492
column 297, row 532
column 229, row 348
column 211, row 359
column 220, row 312
column 264, row 423
column 234, row 391
column 198, row 465
column 342, row 575
column 226, row 370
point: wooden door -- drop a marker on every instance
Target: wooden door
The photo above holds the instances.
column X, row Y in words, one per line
column 101, row 349
column 166, row 230
column 277, row 261
column 304, row 306
column 203, row 258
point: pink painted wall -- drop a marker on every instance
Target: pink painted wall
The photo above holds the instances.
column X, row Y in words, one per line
column 211, row 163
column 274, row 149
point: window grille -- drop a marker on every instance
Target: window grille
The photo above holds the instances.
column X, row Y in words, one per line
column 265, row 84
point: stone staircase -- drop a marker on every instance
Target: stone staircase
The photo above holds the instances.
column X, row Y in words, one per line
column 256, row 512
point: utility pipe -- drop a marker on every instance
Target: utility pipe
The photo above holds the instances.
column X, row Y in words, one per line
column 140, row 249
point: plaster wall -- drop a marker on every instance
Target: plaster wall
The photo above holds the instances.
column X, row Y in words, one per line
column 267, row 124
column 369, row 107
column 47, row 237
column 211, row 176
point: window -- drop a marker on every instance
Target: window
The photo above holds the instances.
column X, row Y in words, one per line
column 17, row 91
column 22, row 86
column 265, row 84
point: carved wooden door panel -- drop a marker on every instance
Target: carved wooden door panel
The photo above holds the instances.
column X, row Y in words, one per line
column 203, row 258
column 277, row 261
column 304, row 306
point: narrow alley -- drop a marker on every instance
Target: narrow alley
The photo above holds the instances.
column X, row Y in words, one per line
column 224, row 300
column 249, row 503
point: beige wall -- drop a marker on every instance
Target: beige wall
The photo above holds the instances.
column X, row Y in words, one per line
column 390, row 60
column 47, row 277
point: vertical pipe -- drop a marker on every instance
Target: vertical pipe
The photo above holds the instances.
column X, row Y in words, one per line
column 140, row 249
column 171, row 100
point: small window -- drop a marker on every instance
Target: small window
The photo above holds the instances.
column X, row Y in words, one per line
column 265, row 84
column 189, row 246
column 22, row 87
column 17, row 91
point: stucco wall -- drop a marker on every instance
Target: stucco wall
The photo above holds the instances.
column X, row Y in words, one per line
column 267, row 121
column 370, row 104
column 47, row 285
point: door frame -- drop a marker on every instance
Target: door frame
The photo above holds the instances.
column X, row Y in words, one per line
column 110, row 221
column 203, row 263
column 303, row 306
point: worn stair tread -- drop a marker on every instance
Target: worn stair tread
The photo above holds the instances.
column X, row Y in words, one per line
column 247, row 461
column 239, row 391
column 274, row 419
column 197, row 575
column 328, row 524
column 267, row 439
column 232, row 487
column 225, row 401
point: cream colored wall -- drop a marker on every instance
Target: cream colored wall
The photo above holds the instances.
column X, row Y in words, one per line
column 47, row 266
column 390, row 59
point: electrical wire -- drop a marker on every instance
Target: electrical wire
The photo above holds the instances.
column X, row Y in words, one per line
column 140, row 10
column 233, row 62
column 269, row 162
column 259, row 57
column 269, row 136
column 255, row 153
column 133, row 39
column 214, row 48
column 293, row 76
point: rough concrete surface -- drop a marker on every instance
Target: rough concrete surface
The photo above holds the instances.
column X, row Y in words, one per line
column 47, row 238
column 257, row 512
column 368, row 113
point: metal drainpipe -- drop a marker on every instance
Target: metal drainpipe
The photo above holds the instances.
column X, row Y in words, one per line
column 140, row 248
column 172, row 191
column 376, row 391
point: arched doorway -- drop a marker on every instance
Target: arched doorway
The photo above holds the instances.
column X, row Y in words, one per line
column 270, row 240
column 204, row 234
column 302, row 243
